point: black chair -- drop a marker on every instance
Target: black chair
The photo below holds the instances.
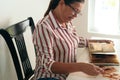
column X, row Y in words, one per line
column 15, row 39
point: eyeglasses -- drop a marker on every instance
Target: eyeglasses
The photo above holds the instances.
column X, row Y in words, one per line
column 75, row 11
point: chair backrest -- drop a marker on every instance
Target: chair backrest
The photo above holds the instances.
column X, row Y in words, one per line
column 15, row 39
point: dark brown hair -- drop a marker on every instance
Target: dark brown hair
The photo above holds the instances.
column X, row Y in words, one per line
column 54, row 3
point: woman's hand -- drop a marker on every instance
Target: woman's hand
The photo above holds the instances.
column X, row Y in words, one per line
column 91, row 69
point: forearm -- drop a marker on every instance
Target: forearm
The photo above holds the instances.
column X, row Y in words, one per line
column 66, row 68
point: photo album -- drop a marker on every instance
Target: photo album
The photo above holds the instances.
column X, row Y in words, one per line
column 102, row 54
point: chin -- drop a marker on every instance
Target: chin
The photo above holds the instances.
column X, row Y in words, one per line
column 70, row 20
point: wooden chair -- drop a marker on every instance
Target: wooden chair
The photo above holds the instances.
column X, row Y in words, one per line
column 15, row 39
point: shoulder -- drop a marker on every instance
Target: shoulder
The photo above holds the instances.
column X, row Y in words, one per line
column 44, row 24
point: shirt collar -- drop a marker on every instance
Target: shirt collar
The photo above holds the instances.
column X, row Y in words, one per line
column 55, row 22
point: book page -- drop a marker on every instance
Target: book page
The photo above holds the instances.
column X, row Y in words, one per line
column 108, row 48
column 100, row 47
column 95, row 47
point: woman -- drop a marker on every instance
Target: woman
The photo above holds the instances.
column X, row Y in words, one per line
column 56, row 42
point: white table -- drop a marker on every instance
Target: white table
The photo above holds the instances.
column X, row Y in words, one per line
column 83, row 56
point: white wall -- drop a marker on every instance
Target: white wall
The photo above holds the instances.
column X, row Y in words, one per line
column 16, row 10
column 12, row 11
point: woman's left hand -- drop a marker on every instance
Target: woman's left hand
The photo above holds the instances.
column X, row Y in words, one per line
column 105, row 41
column 101, row 41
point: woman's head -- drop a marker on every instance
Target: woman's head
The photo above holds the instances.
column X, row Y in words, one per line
column 54, row 3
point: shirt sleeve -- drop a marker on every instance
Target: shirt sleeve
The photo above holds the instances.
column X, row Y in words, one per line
column 43, row 41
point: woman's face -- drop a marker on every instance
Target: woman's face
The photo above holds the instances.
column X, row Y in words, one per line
column 69, row 12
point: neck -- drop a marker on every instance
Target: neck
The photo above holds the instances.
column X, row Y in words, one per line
column 58, row 18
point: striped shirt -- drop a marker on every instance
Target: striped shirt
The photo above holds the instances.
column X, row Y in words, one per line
column 54, row 43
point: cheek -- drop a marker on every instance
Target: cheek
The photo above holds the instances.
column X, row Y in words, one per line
column 66, row 14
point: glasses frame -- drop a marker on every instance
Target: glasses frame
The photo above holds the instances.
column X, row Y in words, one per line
column 76, row 12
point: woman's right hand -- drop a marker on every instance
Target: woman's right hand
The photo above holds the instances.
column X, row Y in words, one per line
column 91, row 69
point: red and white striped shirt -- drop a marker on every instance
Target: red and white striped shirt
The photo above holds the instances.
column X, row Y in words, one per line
column 54, row 43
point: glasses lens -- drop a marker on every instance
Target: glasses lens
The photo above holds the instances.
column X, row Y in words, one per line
column 76, row 12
